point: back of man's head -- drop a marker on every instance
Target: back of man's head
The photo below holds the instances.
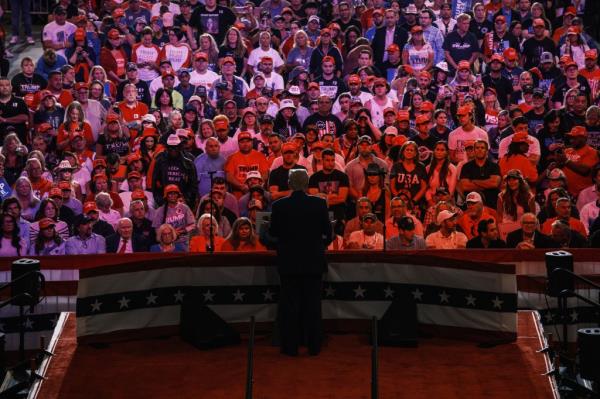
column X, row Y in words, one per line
column 298, row 180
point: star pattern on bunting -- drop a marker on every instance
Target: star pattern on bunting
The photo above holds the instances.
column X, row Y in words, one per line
column 28, row 324
column 179, row 296
column 389, row 292
column 444, row 297
column 96, row 306
column 329, row 291
column 151, row 299
column 268, row 295
column 209, row 296
column 124, row 303
column 417, row 295
column 53, row 321
column 470, row 300
column 574, row 315
column 497, row 302
column 238, row 296
column 359, row 292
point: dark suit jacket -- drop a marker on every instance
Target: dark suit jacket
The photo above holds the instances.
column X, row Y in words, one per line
column 539, row 240
column 138, row 243
column 378, row 43
column 300, row 223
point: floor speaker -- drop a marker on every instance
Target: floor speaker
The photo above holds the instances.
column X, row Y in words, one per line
column 26, row 279
column 558, row 282
column 398, row 326
column 588, row 342
column 203, row 328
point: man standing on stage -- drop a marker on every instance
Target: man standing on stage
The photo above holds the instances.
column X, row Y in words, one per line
column 300, row 224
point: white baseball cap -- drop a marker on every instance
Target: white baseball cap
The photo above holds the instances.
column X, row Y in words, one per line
column 444, row 215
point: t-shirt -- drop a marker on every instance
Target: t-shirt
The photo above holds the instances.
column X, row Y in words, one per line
column 23, row 85
column 215, row 22
column 179, row 216
column 141, row 53
column 325, row 124
column 458, row 137
column 279, row 177
column 403, row 179
column 330, row 183
column 58, row 33
column 533, row 49
column 472, row 171
column 239, row 164
column 258, row 53
column 331, row 87
column 13, row 107
column 119, row 145
column 460, row 48
column 180, row 55
column 205, row 79
column 587, row 156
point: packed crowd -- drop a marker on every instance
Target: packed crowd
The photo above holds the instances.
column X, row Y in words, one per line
column 167, row 126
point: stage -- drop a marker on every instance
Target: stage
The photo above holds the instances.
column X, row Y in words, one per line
column 170, row 368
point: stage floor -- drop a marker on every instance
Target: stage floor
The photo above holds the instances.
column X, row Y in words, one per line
column 170, row 368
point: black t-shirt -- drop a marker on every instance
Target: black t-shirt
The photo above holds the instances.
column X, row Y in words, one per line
column 54, row 118
column 23, row 85
column 402, row 179
column 215, row 22
column 118, row 145
column 279, row 177
column 426, row 146
column 472, row 171
column 344, row 25
column 561, row 88
column 325, row 124
column 480, row 29
column 330, row 184
column 331, row 87
column 535, row 121
column 13, row 107
column 533, row 49
column 460, row 48
column 226, row 51
column 143, row 92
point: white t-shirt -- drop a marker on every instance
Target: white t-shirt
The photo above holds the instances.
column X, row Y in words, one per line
column 205, row 79
column 173, row 8
column 141, row 53
column 457, row 138
column 274, row 81
column 58, row 33
column 534, row 147
column 258, row 53
column 157, row 84
column 438, row 241
column 366, row 242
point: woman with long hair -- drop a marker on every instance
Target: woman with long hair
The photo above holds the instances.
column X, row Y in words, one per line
column 98, row 74
column 11, row 244
column 15, row 157
column 48, row 111
column 114, row 58
column 514, row 200
column 375, row 190
column 249, row 122
column 207, row 129
column 575, row 46
column 286, row 122
column 74, row 122
column 417, row 52
column 242, row 238
column 440, row 172
column 347, row 144
column 48, row 209
column 301, row 52
column 351, row 36
column 222, row 221
column 29, row 202
column 208, row 45
column 233, row 46
column 408, row 173
column 48, row 241
column 166, row 236
column 164, row 102
column 114, row 140
column 551, row 137
column 516, row 158
column 492, row 108
column 97, row 93
column 199, row 242
column 191, row 119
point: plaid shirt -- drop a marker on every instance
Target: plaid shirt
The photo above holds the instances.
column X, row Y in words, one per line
column 435, row 38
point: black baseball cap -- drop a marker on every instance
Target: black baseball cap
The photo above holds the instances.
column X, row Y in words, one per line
column 60, row 10
column 406, row 223
column 266, row 118
column 131, row 66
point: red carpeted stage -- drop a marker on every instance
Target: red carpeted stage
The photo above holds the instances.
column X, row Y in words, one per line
column 170, row 368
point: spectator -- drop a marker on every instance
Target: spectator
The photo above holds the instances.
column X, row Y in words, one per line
column 475, row 212
column 48, row 241
column 331, row 184
column 446, row 237
column 578, row 160
column 55, row 34
column 363, row 207
column 367, row 237
column 242, row 238
column 406, row 238
column 380, row 43
column 488, row 236
column 201, row 242
column 565, row 237
column 528, row 236
column 125, row 241
column 167, row 240
column 563, row 213
column 176, row 214
column 481, row 175
column 13, row 111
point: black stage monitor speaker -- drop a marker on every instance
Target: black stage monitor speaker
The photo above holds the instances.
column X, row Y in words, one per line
column 559, row 281
column 26, row 279
column 398, row 326
column 588, row 342
column 203, row 328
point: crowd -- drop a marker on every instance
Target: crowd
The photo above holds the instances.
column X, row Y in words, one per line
column 170, row 126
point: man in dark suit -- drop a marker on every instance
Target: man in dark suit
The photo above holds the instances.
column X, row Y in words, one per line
column 390, row 33
column 124, row 241
column 528, row 236
column 300, row 224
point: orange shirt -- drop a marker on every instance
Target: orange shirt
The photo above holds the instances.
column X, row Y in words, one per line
column 520, row 162
column 587, row 156
column 244, row 247
column 593, row 78
column 134, row 113
column 64, row 133
column 238, row 165
column 198, row 243
column 469, row 226
column 574, row 224
column 41, row 187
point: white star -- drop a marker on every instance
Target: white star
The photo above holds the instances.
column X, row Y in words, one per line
column 268, row 295
column 359, row 292
column 238, row 296
column 444, row 297
column 497, row 302
column 574, row 315
column 54, row 321
column 549, row 317
column 124, row 302
column 330, row 291
column 389, row 292
column 208, row 296
column 96, row 306
column 179, row 296
column 470, row 300
column 151, row 299
column 28, row 324
column 417, row 295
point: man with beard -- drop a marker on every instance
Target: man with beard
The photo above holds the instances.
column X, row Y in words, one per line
column 536, row 45
column 488, row 237
column 499, row 39
column 279, row 177
column 85, row 241
column 330, row 183
column 592, row 72
column 325, row 121
column 246, row 159
column 498, row 81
